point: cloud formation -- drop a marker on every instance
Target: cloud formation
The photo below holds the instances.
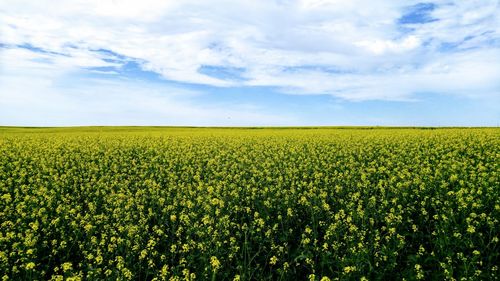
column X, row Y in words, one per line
column 356, row 50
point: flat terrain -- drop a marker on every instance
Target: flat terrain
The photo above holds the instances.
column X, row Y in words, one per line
column 142, row 203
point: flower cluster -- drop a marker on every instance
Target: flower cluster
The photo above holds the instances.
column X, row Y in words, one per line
column 249, row 204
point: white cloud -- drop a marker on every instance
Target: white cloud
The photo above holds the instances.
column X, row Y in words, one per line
column 379, row 47
column 292, row 45
column 39, row 89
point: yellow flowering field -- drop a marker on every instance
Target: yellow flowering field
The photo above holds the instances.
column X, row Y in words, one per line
column 149, row 203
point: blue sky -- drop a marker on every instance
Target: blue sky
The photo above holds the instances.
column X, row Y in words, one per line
column 246, row 63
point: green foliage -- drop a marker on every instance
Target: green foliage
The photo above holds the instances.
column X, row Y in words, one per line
column 249, row 204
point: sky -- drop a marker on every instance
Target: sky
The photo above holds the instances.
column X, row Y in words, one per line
column 249, row 63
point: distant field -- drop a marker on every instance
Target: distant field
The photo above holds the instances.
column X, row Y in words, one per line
column 167, row 203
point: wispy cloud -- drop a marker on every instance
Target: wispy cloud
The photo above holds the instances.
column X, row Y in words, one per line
column 178, row 39
column 43, row 89
column 353, row 50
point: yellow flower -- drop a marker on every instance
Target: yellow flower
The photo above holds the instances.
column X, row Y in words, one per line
column 164, row 271
column 88, row 227
column 30, row 265
column 308, row 230
column 273, row 260
column 471, row 229
column 143, row 254
column 420, row 273
column 349, row 269
column 67, row 266
column 215, row 263
column 98, row 259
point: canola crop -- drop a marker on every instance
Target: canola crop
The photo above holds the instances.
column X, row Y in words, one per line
column 249, row 204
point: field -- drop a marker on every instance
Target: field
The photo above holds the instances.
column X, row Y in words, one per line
column 249, row 204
